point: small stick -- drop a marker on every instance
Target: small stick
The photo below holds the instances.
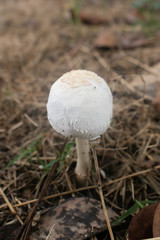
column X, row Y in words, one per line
column 51, row 196
column 50, row 232
column 84, row 188
column 10, row 206
column 30, row 120
column 101, row 195
column 142, row 65
column 15, row 127
column 24, row 231
column 69, row 183
column 55, row 195
column 156, row 238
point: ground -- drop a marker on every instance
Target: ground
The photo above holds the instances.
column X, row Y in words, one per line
column 41, row 40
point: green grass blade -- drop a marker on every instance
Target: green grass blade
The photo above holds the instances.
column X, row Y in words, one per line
column 132, row 210
column 140, row 204
column 27, row 152
column 49, row 165
column 126, row 214
column 60, row 167
column 23, row 154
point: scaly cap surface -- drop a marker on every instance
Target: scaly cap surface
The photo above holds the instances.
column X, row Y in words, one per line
column 80, row 105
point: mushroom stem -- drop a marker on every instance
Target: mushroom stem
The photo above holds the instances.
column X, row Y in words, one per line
column 83, row 166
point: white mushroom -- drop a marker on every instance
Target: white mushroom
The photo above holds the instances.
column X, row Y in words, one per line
column 80, row 106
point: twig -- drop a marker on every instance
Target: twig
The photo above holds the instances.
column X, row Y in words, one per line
column 84, row 188
column 30, row 120
column 69, row 183
column 101, row 195
column 10, row 206
column 15, row 127
column 50, row 232
column 142, row 65
column 140, row 132
column 156, row 238
column 23, row 234
column 133, row 175
column 53, row 196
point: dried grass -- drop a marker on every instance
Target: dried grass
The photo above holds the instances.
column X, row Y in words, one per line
column 38, row 43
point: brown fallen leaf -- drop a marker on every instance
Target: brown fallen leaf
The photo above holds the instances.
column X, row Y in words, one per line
column 156, row 222
column 77, row 218
column 107, row 40
column 141, row 224
column 93, row 18
column 156, row 101
column 125, row 41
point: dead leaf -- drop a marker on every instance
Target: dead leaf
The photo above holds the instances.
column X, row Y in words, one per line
column 107, row 40
column 77, row 218
column 156, row 101
column 133, row 16
column 125, row 41
column 156, row 222
column 141, row 224
column 93, row 18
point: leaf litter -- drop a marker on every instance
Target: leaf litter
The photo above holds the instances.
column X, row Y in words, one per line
column 76, row 218
column 129, row 151
column 156, row 222
column 146, row 223
column 128, row 40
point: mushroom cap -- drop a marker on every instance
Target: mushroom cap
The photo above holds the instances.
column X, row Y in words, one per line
column 80, row 105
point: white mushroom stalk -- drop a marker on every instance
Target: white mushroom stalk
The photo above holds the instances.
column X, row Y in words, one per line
column 83, row 166
column 80, row 106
